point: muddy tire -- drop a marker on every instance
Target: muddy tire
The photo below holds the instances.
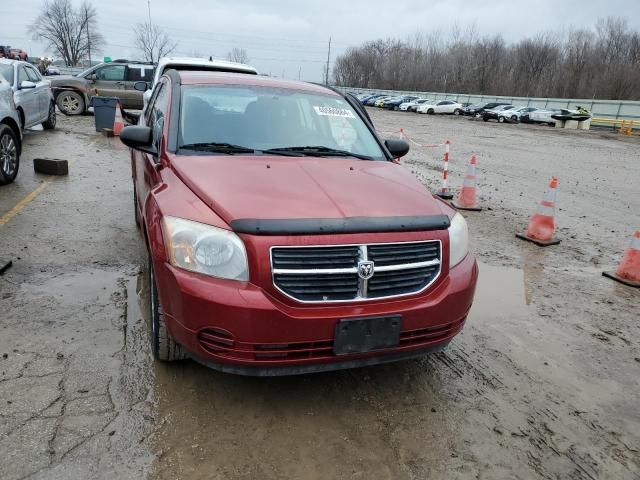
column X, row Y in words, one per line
column 50, row 122
column 500, row 119
column 70, row 103
column 9, row 155
column 163, row 347
column 514, row 119
column 457, row 111
column 430, row 111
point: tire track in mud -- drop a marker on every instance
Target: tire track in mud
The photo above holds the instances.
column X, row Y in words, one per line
column 547, row 428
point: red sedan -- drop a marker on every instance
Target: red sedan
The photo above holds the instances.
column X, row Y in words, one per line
column 283, row 238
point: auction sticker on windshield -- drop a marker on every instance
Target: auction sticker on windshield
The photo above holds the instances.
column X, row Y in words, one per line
column 334, row 112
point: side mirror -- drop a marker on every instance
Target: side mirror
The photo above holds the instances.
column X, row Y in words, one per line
column 141, row 86
column 138, row 138
column 27, row 84
column 397, row 147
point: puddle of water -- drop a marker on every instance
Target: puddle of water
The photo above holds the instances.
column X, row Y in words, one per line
column 501, row 294
column 89, row 286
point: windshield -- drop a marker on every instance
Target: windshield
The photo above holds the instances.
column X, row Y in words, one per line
column 264, row 118
column 7, row 72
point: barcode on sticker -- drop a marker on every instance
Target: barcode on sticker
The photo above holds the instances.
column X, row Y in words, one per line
column 334, row 112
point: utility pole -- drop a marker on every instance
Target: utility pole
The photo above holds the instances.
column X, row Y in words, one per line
column 299, row 73
column 328, row 58
column 149, row 10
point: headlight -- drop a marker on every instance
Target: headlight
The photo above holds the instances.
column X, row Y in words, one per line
column 458, row 240
column 205, row 249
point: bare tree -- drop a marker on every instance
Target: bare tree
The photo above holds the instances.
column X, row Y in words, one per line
column 238, row 55
column 153, row 42
column 70, row 33
column 603, row 62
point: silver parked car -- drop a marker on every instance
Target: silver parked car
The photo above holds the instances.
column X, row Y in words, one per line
column 31, row 93
column 10, row 134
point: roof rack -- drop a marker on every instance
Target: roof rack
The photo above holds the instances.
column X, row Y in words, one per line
column 124, row 60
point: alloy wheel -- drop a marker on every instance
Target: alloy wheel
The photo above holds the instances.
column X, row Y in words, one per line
column 70, row 104
column 8, row 155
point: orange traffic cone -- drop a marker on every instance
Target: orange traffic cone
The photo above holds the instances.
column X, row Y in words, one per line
column 628, row 271
column 118, row 121
column 467, row 196
column 542, row 224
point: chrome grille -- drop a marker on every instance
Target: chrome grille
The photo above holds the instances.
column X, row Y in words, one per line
column 330, row 273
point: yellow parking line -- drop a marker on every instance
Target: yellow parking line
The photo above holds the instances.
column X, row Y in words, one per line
column 31, row 196
column 22, row 203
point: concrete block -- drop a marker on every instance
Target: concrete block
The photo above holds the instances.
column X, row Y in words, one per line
column 571, row 124
column 5, row 265
column 51, row 166
column 107, row 132
column 584, row 125
column 559, row 123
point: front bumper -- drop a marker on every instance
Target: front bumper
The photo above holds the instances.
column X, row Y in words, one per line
column 241, row 328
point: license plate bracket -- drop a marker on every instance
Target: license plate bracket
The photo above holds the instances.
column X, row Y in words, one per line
column 361, row 335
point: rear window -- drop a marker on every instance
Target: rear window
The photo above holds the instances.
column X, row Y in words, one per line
column 137, row 73
column 262, row 118
column 7, row 72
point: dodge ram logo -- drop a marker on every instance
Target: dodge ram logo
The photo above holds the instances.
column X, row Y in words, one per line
column 365, row 269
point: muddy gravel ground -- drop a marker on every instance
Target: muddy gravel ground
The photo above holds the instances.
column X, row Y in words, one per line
column 542, row 383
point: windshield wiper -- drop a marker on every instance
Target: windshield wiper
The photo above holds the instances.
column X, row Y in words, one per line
column 217, row 147
column 318, row 151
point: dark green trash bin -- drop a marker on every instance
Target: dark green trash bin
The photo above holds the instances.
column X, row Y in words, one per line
column 104, row 111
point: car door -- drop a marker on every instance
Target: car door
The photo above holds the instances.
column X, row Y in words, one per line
column 42, row 91
column 145, row 170
column 447, row 106
column 26, row 98
column 136, row 73
column 109, row 81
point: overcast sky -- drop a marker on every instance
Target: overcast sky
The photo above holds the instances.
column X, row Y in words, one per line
column 289, row 37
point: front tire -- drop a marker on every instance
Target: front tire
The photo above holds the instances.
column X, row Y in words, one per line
column 50, row 122
column 163, row 346
column 70, row 103
column 430, row 111
column 500, row 119
column 9, row 155
column 456, row 111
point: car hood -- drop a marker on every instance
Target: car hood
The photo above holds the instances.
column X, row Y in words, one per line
column 64, row 80
column 267, row 187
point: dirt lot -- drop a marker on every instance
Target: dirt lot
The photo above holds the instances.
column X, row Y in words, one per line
column 542, row 383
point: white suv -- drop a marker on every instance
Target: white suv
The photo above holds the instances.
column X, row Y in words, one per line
column 198, row 64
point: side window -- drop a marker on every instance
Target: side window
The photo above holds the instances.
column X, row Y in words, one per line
column 33, row 75
column 22, row 75
column 136, row 73
column 152, row 101
column 113, row 73
column 158, row 112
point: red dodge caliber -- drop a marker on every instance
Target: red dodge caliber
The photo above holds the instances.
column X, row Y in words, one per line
column 282, row 236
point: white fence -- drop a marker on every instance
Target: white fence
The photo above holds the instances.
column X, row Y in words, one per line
column 613, row 109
